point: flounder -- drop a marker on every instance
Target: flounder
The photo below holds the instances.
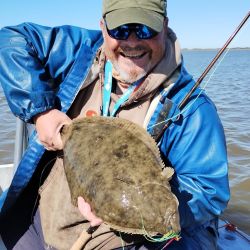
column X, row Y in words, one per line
column 115, row 165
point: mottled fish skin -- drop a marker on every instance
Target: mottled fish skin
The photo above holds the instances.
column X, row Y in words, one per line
column 116, row 166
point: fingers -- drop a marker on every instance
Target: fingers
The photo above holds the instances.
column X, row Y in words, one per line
column 48, row 126
column 84, row 207
column 85, row 210
column 52, row 143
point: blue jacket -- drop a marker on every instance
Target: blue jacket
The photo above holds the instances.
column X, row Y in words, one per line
column 43, row 68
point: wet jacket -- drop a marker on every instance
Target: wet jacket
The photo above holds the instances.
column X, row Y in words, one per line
column 43, row 68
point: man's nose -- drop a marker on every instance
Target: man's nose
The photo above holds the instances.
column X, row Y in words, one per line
column 133, row 39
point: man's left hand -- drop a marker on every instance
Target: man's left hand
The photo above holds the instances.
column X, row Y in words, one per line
column 85, row 210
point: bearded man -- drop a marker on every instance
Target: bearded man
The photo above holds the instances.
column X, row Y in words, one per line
column 53, row 75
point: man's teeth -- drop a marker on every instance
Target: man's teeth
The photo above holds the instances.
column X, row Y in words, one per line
column 133, row 55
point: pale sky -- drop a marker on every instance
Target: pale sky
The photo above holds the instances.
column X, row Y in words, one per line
column 197, row 23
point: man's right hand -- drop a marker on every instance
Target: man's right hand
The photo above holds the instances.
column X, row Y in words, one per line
column 48, row 127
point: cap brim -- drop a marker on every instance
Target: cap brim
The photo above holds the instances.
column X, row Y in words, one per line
column 119, row 17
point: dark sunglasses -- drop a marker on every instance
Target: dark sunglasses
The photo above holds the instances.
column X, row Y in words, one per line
column 124, row 31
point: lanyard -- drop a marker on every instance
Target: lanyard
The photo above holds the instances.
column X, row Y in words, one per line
column 106, row 96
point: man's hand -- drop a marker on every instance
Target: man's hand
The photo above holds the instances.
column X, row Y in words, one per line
column 48, row 126
column 85, row 210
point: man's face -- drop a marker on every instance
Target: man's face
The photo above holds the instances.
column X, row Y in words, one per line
column 133, row 58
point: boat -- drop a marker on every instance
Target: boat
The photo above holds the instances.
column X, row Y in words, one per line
column 230, row 237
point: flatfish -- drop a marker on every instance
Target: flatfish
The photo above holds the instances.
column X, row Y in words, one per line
column 115, row 165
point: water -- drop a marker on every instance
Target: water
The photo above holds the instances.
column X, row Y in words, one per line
column 7, row 131
column 229, row 89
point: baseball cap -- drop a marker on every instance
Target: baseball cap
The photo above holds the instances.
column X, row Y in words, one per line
column 148, row 12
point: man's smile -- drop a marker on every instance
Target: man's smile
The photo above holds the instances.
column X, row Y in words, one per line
column 133, row 55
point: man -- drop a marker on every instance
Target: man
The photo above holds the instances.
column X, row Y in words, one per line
column 52, row 75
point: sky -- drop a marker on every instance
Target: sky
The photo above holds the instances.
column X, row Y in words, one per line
column 197, row 23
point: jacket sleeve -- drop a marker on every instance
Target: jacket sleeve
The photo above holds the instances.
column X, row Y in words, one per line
column 33, row 61
column 196, row 148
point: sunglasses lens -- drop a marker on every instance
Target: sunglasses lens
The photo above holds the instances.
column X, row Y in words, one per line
column 120, row 33
column 144, row 32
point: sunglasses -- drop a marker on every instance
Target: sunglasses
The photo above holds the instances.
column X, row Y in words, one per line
column 124, row 31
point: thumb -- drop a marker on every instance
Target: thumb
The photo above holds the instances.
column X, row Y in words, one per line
column 57, row 140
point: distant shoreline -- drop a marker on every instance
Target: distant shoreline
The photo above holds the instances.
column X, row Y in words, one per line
column 197, row 49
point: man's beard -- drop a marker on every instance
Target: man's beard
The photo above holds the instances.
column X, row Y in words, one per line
column 127, row 77
column 134, row 73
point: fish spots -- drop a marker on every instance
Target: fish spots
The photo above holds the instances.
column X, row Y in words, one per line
column 122, row 151
column 98, row 139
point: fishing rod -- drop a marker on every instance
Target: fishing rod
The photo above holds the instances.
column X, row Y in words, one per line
column 201, row 78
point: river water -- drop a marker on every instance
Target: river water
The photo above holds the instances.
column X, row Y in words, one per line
column 229, row 87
